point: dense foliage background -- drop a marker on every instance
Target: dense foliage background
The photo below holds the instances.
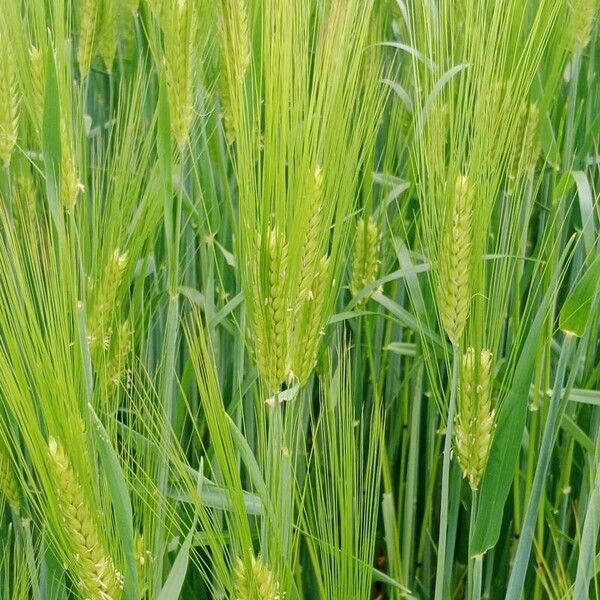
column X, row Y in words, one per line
column 299, row 299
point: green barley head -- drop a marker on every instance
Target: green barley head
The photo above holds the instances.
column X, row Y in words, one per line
column 474, row 424
column 96, row 574
column 579, row 31
column 9, row 101
column 271, row 330
column 257, row 584
column 454, row 258
column 365, row 263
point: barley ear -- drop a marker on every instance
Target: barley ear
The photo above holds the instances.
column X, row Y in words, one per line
column 96, row 575
column 38, row 80
column 69, row 182
column 107, row 33
column 104, row 303
column 365, row 263
column 9, row 484
column 579, row 32
column 180, row 27
column 272, row 320
column 258, row 584
column 453, row 289
column 235, row 58
column 474, row 425
column 308, row 329
column 526, row 150
column 87, row 34
column 310, row 248
column 116, row 367
column 9, row 101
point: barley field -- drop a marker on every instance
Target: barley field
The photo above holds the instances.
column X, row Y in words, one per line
column 299, row 299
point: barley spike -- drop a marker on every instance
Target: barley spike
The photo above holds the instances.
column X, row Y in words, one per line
column 453, row 291
column 474, row 424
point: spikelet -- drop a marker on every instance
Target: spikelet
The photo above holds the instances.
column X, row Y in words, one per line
column 272, row 320
column 309, row 322
column 235, row 58
column 453, row 291
column 180, row 27
column 69, row 183
column 38, row 81
column 88, row 26
column 581, row 23
column 365, row 263
column 9, row 101
column 104, row 303
column 107, row 33
column 96, row 575
column 474, row 424
column 259, row 584
column 526, row 149
column 9, row 484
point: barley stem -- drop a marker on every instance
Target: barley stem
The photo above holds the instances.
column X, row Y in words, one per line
column 473, row 587
column 441, row 549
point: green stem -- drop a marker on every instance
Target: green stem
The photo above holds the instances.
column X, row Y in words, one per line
column 441, row 549
column 477, row 576
column 412, row 477
column 475, row 562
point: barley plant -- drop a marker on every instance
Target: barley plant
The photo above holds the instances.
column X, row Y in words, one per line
column 299, row 299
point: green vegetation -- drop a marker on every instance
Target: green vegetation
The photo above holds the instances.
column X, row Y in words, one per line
column 299, row 299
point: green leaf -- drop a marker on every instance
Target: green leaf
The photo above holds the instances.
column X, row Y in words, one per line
column 52, row 577
column 577, row 308
column 120, row 502
column 586, row 209
column 249, row 461
column 506, row 444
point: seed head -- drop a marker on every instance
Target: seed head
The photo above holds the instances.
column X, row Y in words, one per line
column 454, row 261
column 107, row 33
column 120, row 349
column 38, row 80
column 257, row 584
column 69, row 183
column 9, row 101
column 180, row 63
column 365, row 264
column 95, row 572
column 235, row 56
column 104, row 303
column 526, row 148
column 583, row 14
column 312, row 239
column 309, row 322
column 9, row 484
column 271, row 322
column 88, row 27
column 474, row 424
